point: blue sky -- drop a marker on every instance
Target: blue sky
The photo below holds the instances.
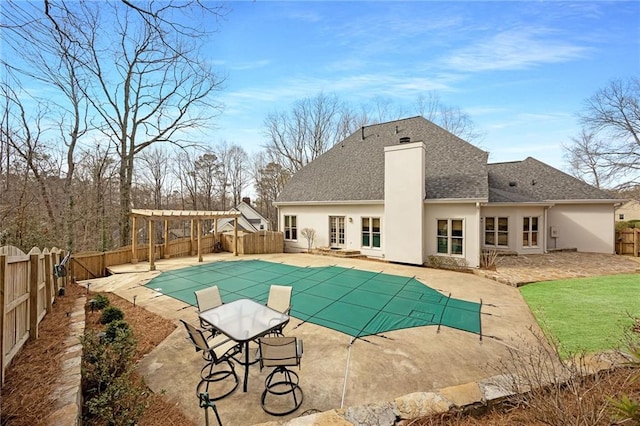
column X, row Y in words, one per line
column 521, row 70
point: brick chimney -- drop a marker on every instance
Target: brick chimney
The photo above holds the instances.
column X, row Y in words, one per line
column 246, row 200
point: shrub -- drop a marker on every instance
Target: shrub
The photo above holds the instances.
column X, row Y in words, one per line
column 488, row 259
column 111, row 393
column 100, row 302
column 117, row 329
column 310, row 235
column 110, row 314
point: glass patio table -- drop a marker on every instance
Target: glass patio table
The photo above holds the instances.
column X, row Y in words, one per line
column 244, row 320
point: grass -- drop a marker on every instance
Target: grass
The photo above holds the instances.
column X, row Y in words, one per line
column 586, row 314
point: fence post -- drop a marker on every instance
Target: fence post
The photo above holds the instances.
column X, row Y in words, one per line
column 33, row 294
column 47, row 279
column 3, row 283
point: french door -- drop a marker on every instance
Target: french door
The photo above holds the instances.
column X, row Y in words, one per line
column 336, row 231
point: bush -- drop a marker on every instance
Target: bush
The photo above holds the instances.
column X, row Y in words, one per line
column 111, row 314
column 488, row 259
column 111, row 393
column 630, row 224
column 117, row 329
column 100, row 302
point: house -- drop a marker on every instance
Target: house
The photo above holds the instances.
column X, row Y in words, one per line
column 249, row 221
column 629, row 210
column 406, row 190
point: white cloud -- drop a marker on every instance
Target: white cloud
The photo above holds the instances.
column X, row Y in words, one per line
column 515, row 49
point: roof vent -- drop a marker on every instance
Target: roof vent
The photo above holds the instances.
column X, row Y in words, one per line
column 405, row 139
column 513, row 183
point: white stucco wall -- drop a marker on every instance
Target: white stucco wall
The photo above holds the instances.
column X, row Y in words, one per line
column 317, row 217
column 470, row 215
column 404, row 193
column 516, row 215
column 586, row 227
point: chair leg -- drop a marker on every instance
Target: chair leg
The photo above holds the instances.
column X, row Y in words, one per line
column 277, row 387
column 209, row 376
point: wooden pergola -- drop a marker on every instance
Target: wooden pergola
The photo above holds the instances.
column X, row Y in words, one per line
column 195, row 216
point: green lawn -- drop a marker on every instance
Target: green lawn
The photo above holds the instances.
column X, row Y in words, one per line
column 587, row 314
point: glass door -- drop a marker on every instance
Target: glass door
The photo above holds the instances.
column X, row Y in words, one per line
column 336, row 231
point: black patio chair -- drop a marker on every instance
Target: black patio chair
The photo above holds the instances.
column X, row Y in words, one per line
column 217, row 353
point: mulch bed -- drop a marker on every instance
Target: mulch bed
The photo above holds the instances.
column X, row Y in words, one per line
column 31, row 377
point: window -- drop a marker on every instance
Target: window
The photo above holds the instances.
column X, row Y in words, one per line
column 530, row 232
column 450, row 236
column 496, row 231
column 621, row 216
column 290, row 228
column 371, row 232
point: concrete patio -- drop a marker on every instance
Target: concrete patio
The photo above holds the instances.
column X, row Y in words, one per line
column 336, row 372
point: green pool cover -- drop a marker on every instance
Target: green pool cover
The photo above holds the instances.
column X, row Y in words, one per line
column 358, row 303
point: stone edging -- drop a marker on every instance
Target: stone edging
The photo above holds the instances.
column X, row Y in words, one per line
column 68, row 389
column 465, row 397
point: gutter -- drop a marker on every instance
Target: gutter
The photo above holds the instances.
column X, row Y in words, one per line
column 327, row 202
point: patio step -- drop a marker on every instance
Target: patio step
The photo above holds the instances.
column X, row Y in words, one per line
column 337, row 252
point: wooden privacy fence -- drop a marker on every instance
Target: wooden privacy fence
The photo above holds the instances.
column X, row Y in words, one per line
column 260, row 242
column 628, row 241
column 28, row 287
column 85, row 266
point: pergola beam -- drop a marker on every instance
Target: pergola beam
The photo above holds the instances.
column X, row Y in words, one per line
column 166, row 215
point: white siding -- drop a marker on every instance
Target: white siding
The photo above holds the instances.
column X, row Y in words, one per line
column 469, row 213
column 317, row 217
column 404, row 193
column 586, row 227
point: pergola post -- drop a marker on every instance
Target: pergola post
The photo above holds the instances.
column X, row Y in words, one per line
column 152, row 249
column 134, row 240
column 199, row 240
column 166, row 239
column 235, row 236
column 192, row 252
column 215, row 232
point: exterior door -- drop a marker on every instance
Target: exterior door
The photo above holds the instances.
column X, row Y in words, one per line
column 336, row 231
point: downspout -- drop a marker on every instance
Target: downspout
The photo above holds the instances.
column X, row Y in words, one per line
column 547, row 230
column 479, row 236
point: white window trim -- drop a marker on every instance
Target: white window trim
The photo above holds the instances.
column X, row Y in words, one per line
column 530, row 233
column 285, row 227
column 496, row 232
column 371, row 246
column 449, row 237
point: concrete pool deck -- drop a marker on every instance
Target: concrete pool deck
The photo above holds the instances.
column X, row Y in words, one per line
column 336, row 373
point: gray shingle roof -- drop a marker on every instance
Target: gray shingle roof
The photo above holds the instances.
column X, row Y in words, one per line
column 353, row 169
column 531, row 180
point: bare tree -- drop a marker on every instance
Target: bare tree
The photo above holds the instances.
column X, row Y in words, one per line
column 97, row 175
column 208, row 177
column 611, row 118
column 452, row 119
column 147, row 84
column 239, row 174
column 51, row 57
column 312, row 126
column 585, row 157
column 153, row 171
column 269, row 178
